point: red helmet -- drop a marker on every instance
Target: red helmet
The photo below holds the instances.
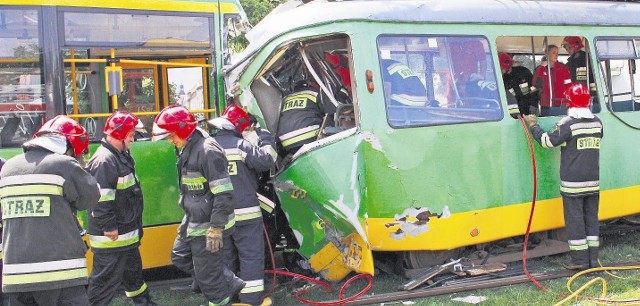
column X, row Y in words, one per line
column 505, row 60
column 574, row 41
column 237, row 116
column 577, row 95
column 174, row 119
column 75, row 133
column 119, row 124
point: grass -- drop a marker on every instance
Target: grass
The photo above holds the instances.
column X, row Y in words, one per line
column 623, row 247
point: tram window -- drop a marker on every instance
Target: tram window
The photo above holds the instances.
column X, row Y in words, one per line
column 434, row 80
column 618, row 61
column 22, row 105
column 570, row 57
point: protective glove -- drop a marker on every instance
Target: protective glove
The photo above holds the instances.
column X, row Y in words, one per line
column 214, row 239
column 531, row 120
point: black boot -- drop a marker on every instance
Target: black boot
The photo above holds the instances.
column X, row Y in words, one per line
column 194, row 286
column 143, row 300
column 579, row 260
column 593, row 257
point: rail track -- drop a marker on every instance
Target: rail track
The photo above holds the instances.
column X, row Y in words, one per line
column 445, row 283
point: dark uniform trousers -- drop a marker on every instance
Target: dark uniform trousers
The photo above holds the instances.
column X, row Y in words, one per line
column 211, row 276
column 246, row 255
column 105, row 280
column 70, row 296
column 581, row 222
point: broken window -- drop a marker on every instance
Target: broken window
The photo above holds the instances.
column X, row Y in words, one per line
column 434, row 80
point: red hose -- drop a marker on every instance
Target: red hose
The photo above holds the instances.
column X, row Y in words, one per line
column 533, row 206
column 328, row 288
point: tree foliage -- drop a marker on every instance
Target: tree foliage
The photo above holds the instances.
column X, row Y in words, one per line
column 257, row 9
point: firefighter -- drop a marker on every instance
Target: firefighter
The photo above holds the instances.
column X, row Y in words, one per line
column 303, row 114
column 517, row 82
column 579, row 135
column 115, row 224
column 206, row 196
column 405, row 87
column 40, row 191
column 577, row 63
column 245, row 253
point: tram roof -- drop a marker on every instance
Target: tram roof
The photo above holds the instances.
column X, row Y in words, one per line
column 294, row 15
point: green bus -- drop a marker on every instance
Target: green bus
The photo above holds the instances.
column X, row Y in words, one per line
column 54, row 56
column 451, row 175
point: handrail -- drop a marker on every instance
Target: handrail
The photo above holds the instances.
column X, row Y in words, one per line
column 90, row 115
column 128, row 61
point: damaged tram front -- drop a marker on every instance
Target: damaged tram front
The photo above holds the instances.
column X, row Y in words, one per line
column 418, row 157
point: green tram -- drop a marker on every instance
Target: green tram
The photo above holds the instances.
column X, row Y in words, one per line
column 428, row 181
column 54, row 55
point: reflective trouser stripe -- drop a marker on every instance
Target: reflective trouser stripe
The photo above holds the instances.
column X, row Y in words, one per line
column 577, row 245
column 104, row 242
column 579, row 187
column 253, row 286
column 593, row 241
column 137, row 292
column 223, row 302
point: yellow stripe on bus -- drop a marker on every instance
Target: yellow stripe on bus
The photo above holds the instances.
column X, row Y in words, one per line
column 154, row 5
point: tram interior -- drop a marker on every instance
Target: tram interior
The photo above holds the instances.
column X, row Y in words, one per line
column 289, row 67
column 617, row 60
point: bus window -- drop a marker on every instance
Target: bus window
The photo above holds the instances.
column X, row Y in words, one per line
column 618, row 59
column 185, row 85
column 22, row 106
column 433, row 80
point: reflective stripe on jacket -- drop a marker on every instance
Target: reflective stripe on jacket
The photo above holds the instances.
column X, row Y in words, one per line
column 246, row 161
column 206, row 192
column 40, row 192
column 580, row 153
column 121, row 202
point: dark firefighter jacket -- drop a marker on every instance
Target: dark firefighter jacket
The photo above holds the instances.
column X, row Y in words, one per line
column 245, row 162
column 121, row 203
column 40, row 192
column 577, row 64
column 518, row 83
column 206, row 192
column 580, row 153
column 301, row 116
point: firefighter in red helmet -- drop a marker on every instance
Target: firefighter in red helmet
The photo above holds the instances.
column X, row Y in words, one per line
column 579, row 135
column 41, row 190
column 578, row 63
column 207, row 200
column 517, row 82
column 245, row 250
column 115, row 224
